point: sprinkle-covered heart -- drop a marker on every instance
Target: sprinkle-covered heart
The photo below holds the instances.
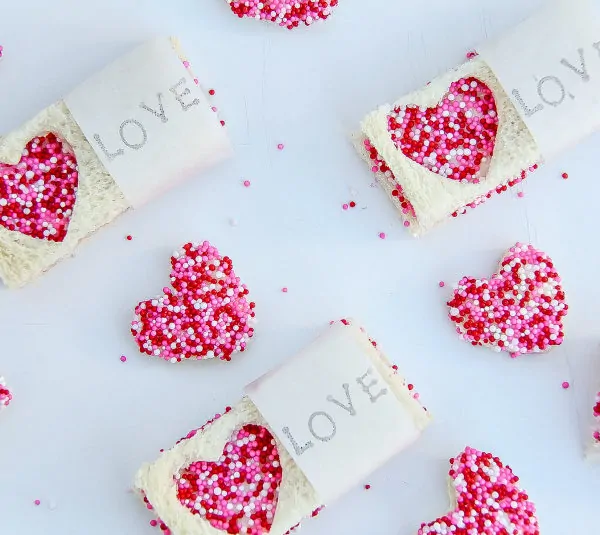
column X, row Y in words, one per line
column 238, row 493
column 206, row 314
column 5, row 395
column 489, row 500
column 37, row 195
column 287, row 13
column 456, row 138
column 519, row 310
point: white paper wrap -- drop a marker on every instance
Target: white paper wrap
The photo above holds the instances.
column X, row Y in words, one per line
column 148, row 121
column 550, row 67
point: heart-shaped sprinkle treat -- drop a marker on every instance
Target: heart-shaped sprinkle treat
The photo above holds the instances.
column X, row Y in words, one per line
column 37, row 195
column 5, row 395
column 206, row 314
column 238, row 493
column 488, row 500
column 287, row 13
column 456, row 138
column 519, row 310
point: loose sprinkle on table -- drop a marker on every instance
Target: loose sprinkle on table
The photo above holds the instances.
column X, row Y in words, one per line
column 129, row 237
column 284, row 289
column 565, row 175
column 222, row 123
column 37, row 502
column 211, row 92
column 566, row 384
column 441, row 284
column 123, row 358
column 281, row 146
column 520, row 194
column 382, row 235
column 352, row 204
column 367, row 487
column 344, row 206
column 247, row 183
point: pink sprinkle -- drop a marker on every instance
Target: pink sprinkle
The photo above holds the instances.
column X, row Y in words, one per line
column 196, row 81
column 186, row 64
column 123, row 358
column 367, row 487
column 37, row 502
column 345, row 206
column 1, row 49
column 407, row 223
column 153, row 523
column 520, row 194
column 472, row 54
column 382, row 235
column 247, row 183
column 442, row 284
column 281, row 146
column 284, row 289
column 566, row 385
column 214, row 108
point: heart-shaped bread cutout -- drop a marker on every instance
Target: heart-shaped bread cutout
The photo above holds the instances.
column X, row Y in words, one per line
column 206, row 314
column 287, row 13
column 519, row 310
column 238, row 493
column 488, row 500
column 5, row 395
column 456, row 138
column 37, row 195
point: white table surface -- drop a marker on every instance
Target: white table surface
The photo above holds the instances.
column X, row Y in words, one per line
column 82, row 422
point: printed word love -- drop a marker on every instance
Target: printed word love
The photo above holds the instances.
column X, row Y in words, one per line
column 323, row 426
column 133, row 133
column 551, row 89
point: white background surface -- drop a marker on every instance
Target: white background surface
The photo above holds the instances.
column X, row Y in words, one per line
column 82, row 421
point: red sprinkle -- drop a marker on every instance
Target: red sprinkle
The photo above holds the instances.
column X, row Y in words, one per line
column 367, row 487
column 565, row 175
column 222, row 123
column 441, row 284
column 352, row 204
column 129, row 237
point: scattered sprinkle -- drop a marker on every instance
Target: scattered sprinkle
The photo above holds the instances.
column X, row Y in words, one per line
column 129, row 237
column 153, row 523
column 123, row 358
column 247, row 183
column 472, row 54
column 37, row 502
column 352, row 204
column 382, row 235
column 441, row 284
column 566, row 384
column 211, row 92
column 565, row 175
column 344, row 206
column 1, row 49
column 406, row 223
column 520, row 194
column 281, row 146
column 284, row 289
column 367, row 487
column 215, row 109
column 222, row 123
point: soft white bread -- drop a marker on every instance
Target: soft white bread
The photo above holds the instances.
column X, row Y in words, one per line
column 433, row 197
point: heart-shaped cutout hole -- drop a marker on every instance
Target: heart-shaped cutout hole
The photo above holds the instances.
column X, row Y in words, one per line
column 454, row 139
column 206, row 314
column 37, row 195
column 238, row 493
column 519, row 310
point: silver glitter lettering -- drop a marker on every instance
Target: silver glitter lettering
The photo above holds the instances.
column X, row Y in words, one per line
column 528, row 111
column 109, row 155
column 179, row 96
column 135, row 146
column 350, row 407
column 297, row 448
column 367, row 387
column 542, row 83
column 325, row 438
column 162, row 116
column 583, row 72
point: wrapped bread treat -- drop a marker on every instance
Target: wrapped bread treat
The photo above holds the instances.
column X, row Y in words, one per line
column 258, row 468
column 124, row 136
column 593, row 449
column 484, row 126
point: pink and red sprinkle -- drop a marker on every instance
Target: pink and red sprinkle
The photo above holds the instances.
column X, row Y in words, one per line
column 205, row 314
column 518, row 310
column 287, row 13
column 5, row 394
column 37, row 195
column 488, row 498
